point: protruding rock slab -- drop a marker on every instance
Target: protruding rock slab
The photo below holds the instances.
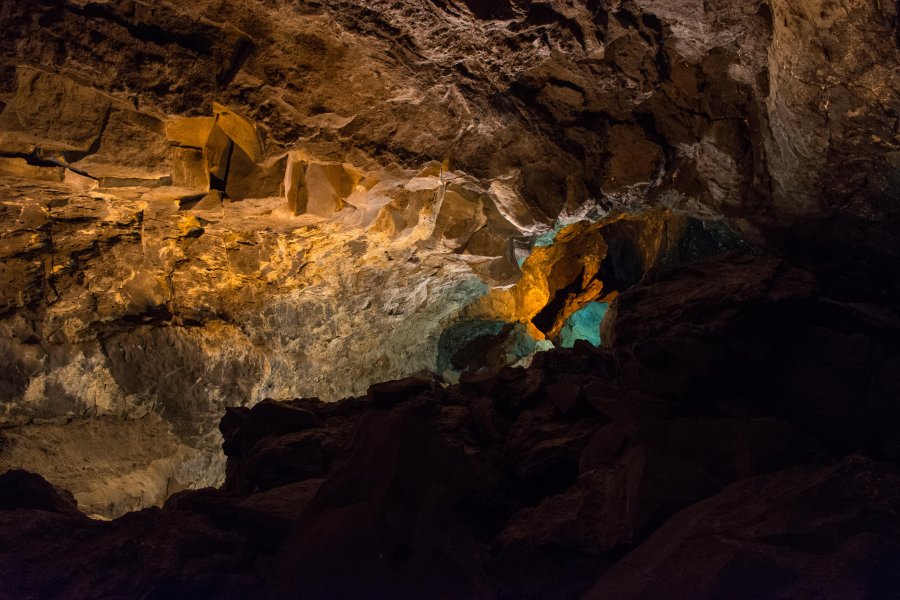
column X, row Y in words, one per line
column 189, row 131
column 21, row 490
column 241, row 130
column 675, row 333
column 318, row 188
column 248, row 179
column 19, row 167
column 189, row 168
column 217, row 152
column 634, row 159
column 131, row 140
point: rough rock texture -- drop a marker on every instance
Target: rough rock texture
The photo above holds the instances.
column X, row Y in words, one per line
column 206, row 204
column 747, row 536
column 120, row 306
column 737, row 329
column 562, row 480
column 767, row 111
column 133, row 303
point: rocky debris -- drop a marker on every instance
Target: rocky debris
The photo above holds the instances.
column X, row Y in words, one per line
column 555, row 481
column 747, row 334
column 807, row 532
column 185, row 555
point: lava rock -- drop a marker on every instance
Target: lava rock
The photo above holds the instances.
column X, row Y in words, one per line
column 813, row 531
column 21, row 490
column 390, row 393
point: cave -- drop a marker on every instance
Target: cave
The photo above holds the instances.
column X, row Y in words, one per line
column 488, row 299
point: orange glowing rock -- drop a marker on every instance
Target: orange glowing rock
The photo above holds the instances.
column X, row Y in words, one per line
column 583, row 265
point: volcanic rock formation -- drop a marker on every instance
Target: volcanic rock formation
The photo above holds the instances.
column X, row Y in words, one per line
column 209, row 208
column 561, row 480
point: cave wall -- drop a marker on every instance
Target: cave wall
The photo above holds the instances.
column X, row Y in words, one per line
column 205, row 205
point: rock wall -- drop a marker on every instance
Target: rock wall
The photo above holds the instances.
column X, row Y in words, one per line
column 738, row 435
column 120, row 306
column 206, row 205
column 752, row 109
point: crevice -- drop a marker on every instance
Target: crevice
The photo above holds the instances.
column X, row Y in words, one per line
column 244, row 48
column 145, row 31
column 547, row 317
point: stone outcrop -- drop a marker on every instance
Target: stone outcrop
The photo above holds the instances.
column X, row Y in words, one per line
column 166, row 266
column 561, row 480
column 139, row 303
column 736, row 329
column 736, row 535
column 123, row 306
column 206, row 206
column 736, row 107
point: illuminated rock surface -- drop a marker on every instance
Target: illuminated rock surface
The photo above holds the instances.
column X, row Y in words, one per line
column 206, row 206
column 584, row 324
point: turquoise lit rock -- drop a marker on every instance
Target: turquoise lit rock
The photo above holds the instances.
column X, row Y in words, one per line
column 584, row 324
column 547, row 238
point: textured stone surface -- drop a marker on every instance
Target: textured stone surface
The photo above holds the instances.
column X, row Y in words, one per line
column 203, row 205
column 753, row 109
column 734, row 329
column 548, row 482
column 122, row 306
column 743, row 539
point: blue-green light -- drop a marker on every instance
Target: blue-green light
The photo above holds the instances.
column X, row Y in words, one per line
column 583, row 324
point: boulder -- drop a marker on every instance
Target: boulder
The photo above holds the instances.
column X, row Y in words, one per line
column 318, row 188
column 247, row 179
column 355, row 535
column 283, row 505
column 743, row 334
column 811, row 532
column 389, row 393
